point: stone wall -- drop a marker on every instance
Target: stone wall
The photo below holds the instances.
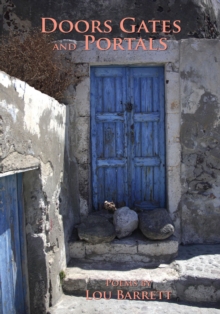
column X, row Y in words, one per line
column 198, row 17
column 192, row 131
column 200, row 140
column 32, row 141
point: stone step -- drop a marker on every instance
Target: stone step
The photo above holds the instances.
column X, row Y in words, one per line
column 193, row 277
column 78, row 305
column 134, row 249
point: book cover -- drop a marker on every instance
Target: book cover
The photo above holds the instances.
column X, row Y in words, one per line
column 109, row 156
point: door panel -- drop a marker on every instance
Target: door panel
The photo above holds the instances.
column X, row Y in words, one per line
column 147, row 116
column 127, row 135
column 11, row 276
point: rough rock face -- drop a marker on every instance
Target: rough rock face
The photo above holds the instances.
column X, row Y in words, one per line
column 125, row 221
column 198, row 18
column 156, row 224
column 200, row 138
column 96, row 230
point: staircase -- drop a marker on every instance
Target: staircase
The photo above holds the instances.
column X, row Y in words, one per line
column 135, row 268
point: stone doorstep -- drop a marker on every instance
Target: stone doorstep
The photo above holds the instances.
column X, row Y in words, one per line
column 135, row 248
column 83, row 281
column 192, row 277
column 81, row 277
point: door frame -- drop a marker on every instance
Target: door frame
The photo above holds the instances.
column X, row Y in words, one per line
column 80, row 120
column 172, row 136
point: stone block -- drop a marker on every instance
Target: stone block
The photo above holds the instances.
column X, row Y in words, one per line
column 174, row 188
column 173, row 154
column 82, row 100
column 82, row 140
column 172, row 128
column 135, row 250
column 122, row 258
column 114, row 248
column 172, row 94
column 77, row 249
column 169, row 246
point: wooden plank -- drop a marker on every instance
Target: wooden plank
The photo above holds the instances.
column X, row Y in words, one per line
column 108, row 95
column 119, row 99
column 137, row 96
column 99, row 142
column 147, row 161
column 130, row 137
column 119, row 125
column 109, row 140
column 99, row 97
column 101, row 186
column 110, row 117
column 16, row 234
column 156, row 107
column 125, row 137
column 146, row 106
column 120, row 135
column 150, row 183
column 144, row 186
column 111, row 162
column 120, row 172
column 138, row 184
column 147, row 125
column 95, row 99
column 147, row 117
column 162, row 140
column 108, row 71
column 5, row 248
column 119, row 140
column 110, row 184
column 145, row 71
column 23, row 252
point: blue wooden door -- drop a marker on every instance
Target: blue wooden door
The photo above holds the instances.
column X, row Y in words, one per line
column 128, row 135
column 12, row 281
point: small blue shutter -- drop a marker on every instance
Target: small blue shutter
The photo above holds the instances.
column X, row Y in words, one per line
column 127, row 135
column 11, row 278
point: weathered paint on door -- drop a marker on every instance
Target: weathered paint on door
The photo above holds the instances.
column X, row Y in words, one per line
column 12, row 281
column 128, row 135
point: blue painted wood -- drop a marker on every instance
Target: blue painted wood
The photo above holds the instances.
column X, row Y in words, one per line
column 96, row 106
column 128, row 135
column 11, row 241
column 111, row 162
column 108, row 72
column 147, row 117
column 162, row 140
column 147, row 161
column 108, row 117
column 138, row 132
column 21, row 221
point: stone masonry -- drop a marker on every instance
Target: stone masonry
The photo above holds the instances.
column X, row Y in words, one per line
column 32, row 141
